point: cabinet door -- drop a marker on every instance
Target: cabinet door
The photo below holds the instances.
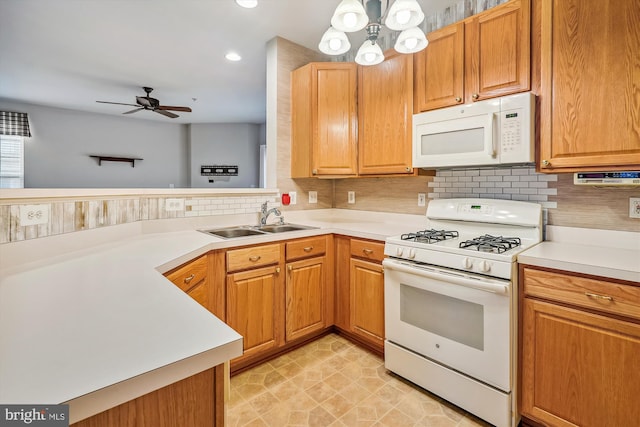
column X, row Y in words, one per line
column 367, row 301
column 497, row 51
column 590, row 113
column 438, row 70
column 305, row 296
column 579, row 369
column 342, row 282
column 385, row 111
column 253, row 308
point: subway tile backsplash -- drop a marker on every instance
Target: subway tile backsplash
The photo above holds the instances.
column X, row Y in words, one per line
column 89, row 213
column 515, row 183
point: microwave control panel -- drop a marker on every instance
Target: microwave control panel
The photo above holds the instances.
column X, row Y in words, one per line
column 516, row 131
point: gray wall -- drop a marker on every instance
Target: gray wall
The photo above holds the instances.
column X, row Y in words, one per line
column 226, row 144
column 57, row 155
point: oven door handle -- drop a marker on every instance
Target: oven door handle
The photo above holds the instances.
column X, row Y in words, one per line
column 431, row 273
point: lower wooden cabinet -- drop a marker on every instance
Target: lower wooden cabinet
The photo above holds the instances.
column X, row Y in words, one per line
column 360, row 290
column 194, row 401
column 580, row 360
column 253, row 308
column 305, row 297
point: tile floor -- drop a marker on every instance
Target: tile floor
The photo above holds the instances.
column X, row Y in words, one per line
column 332, row 382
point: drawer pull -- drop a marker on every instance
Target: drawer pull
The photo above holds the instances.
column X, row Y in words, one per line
column 254, row 258
column 189, row 279
column 596, row 296
column 367, row 251
column 308, row 249
column 290, row 268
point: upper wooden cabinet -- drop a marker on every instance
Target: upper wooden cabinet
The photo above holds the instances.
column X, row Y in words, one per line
column 323, row 120
column 590, row 81
column 484, row 56
column 385, row 103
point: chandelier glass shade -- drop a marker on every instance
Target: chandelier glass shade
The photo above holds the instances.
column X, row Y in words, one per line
column 355, row 15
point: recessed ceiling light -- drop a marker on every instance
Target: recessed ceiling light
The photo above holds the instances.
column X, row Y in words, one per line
column 249, row 4
column 232, row 56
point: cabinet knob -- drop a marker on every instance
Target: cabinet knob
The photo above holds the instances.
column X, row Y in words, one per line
column 189, row 278
column 277, row 269
column 290, row 267
column 546, row 163
column 367, row 251
column 254, row 258
column 458, row 99
column 314, row 172
column 408, row 169
column 475, row 96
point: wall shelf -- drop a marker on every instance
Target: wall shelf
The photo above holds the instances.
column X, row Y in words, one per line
column 131, row 160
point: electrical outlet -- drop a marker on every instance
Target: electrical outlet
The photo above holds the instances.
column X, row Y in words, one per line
column 172, row 205
column 634, row 207
column 34, row 214
column 313, row 197
column 422, row 199
column 351, row 197
column 294, row 197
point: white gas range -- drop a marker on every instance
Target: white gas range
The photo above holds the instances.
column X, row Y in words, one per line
column 451, row 306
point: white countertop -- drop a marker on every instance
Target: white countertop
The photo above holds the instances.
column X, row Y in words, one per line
column 606, row 253
column 88, row 318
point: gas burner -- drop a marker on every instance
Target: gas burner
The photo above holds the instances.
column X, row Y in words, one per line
column 430, row 236
column 488, row 243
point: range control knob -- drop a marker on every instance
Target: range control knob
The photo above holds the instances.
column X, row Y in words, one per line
column 484, row 266
column 412, row 253
column 399, row 251
column 467, row 263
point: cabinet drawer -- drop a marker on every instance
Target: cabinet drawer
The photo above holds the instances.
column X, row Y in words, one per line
column 366, row 249
column 596, row 294
column 259, row 256
column 189, row 275
column 306, row 247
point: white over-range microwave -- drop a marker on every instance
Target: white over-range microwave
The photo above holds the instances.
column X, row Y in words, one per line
column 493, row 132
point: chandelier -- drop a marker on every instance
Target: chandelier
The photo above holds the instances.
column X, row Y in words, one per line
column 351, row 16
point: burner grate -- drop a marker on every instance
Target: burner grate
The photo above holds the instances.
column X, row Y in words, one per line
column 489, row 243
column 430, row 236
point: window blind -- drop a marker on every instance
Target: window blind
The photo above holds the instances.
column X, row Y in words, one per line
column 11, row 162
column 12, row 123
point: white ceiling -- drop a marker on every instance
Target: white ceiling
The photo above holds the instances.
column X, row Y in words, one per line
column 71, row 53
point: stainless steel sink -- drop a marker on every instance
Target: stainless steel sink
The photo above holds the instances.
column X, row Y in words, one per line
column 279, row 228
column 247, row 230
column 232, row 232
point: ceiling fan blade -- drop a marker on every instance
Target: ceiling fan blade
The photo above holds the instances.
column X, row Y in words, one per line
column 133, row 111
column 117, row 103
column 166, row 113
column 168, row 107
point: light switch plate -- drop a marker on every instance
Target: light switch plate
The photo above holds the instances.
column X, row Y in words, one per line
column 313, row 197
column 351, row 197
column 172, row 205
column 294, row 197
column 634, row 207
column 422, row 199
column 34, row 214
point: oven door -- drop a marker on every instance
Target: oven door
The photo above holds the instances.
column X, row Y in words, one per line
column 459, row 320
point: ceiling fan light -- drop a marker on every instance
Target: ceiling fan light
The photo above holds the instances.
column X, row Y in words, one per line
column 247, row 4
column 411, row 41
column 334, row 42
column 369, row 54
column 349, row 16
column 404, row 14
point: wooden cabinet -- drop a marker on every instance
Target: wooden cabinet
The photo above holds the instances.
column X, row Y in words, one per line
column 385, row 103
column 360, row 290
column 193, row 278
column 590, row 114
column 255, row 295
column 323, row 120
column 195, row 401
column 580, row 346
column 306, row 287
column 482, row 57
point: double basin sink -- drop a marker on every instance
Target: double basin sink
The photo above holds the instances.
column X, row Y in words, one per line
column 247, row 230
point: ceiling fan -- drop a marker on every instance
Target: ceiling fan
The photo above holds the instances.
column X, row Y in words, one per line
column 152, row 104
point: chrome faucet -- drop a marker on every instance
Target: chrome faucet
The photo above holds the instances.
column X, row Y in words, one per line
column 264, row 214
